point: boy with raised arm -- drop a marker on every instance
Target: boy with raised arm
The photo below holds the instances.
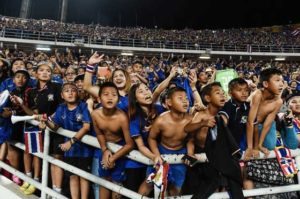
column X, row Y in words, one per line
column 265, row 104
column 111, row 125
column 169, row 129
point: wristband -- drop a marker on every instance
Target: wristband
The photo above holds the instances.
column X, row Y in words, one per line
column 73, row 140
column 90, row 68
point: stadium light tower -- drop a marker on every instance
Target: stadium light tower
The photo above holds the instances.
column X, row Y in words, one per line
column 64, row 10
column 25, row 6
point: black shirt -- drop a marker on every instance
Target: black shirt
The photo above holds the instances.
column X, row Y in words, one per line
column 237, row 115
column 46, row 99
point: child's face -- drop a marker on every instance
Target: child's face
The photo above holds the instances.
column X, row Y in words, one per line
column 43, row 73
column 69, row 93
column 217, row 97
column 70, row 75
column 20, row 79
column 119, row 79
column 109, row 97
column 143, row 95
column 294, row 105
column 137, row 68
column 293, row 85
column 18, row 65
column 178, row 102
column 275, row 84
column 79, row 84
column 240, row 92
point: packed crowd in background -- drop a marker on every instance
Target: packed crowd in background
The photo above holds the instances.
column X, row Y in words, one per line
column 278, row 36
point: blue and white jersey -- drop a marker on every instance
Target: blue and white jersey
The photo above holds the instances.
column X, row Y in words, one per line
column 73, row 120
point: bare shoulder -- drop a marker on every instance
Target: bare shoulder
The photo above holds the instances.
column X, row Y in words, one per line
column 278, row 102
column 121, row 115
column 96, row 112
column 162, row 117
column 257, row 94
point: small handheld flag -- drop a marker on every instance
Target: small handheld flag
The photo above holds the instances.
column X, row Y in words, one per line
column 33, row 141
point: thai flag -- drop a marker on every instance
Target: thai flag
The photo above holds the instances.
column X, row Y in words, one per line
column 33, row 141
column 286, row 162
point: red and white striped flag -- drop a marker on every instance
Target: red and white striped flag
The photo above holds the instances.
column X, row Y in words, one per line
column 33, row 141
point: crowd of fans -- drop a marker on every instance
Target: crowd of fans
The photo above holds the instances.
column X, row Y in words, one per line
column 71, row 75
column 278, row 36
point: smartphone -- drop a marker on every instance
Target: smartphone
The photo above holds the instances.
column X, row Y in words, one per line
column 103, row 72
column 193, row 161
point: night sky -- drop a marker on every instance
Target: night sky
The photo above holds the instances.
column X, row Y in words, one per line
column 168, row 14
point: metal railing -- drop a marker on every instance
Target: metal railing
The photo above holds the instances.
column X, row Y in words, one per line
column 156, row 44
column 135, row 155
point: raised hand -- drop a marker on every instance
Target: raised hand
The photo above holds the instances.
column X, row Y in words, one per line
column 193, row 79
column 95, row 59
column 173, row 71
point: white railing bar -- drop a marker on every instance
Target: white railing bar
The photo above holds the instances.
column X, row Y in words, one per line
column 177, row 159
column 105, row 183
column 134, row 154
column 137, row 156
column 253, row 192
column 30, row 180
column 45, row 167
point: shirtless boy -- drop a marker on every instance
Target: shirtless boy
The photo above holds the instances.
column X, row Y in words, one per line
column 169, row 129
column 111, row 125
column 264, row 106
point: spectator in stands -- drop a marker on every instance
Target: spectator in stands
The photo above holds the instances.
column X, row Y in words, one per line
column 262, row 112
column 209, row 134
column 120, row 77
column 142, row 112
column 73, row 115
column 8, row 84
column 70, row 74
column 111, row 125
column 44, row 99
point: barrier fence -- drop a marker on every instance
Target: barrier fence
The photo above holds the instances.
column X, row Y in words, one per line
column 135, row 155
column 81, row 40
